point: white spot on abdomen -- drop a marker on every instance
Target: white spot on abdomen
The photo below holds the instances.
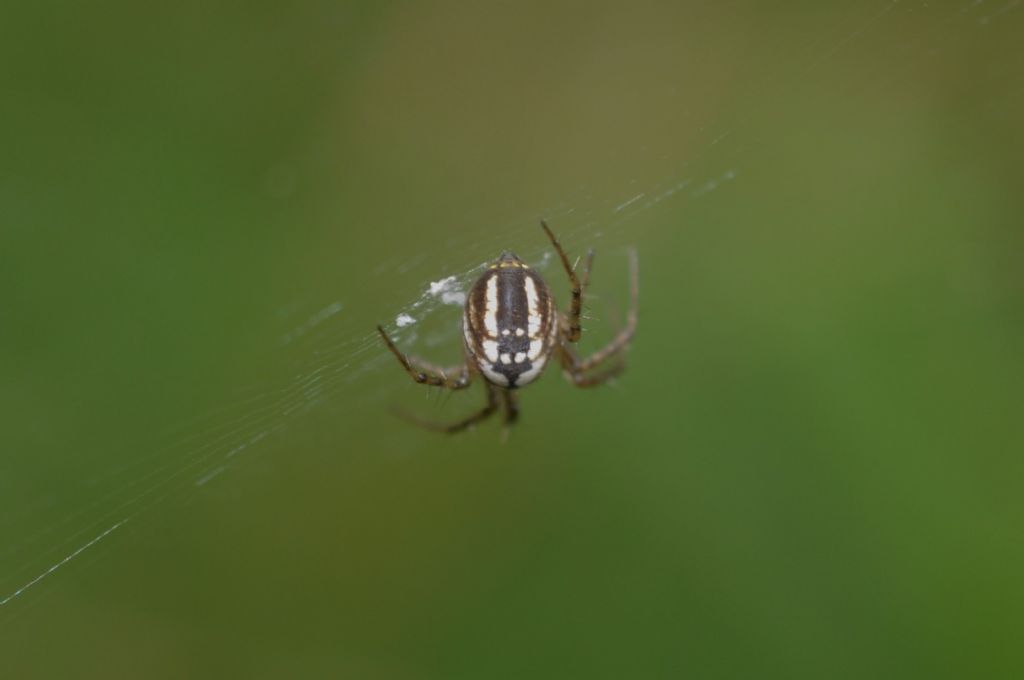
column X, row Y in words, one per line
column 494, row 376
column 535, row 349
column 529, row 376
column 490, row 350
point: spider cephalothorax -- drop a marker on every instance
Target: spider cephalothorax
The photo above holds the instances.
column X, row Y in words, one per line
column 511, row 328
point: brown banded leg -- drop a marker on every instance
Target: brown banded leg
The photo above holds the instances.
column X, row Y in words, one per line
column 454, row 378
column 489, row 408
column 578, row 370
column 621, row 341
column 511, row 404
column 598, row 378
column 573, row 332
column 585, row 284
column 581, row 378
column 585, row 281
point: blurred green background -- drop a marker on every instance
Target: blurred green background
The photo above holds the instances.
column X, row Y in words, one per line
column 812, row 467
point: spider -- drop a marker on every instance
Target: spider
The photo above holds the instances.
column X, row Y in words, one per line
column 511, row 328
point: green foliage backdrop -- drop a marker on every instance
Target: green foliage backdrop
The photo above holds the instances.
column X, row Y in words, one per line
column 811, row 468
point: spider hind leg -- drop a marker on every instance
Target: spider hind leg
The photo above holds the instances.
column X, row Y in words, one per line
column 459, row 426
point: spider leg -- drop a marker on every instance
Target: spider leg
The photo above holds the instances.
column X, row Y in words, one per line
column 588, row 378
column 489, row 408
column 598, row 378
column 511, row 404
column 454, row 378
column 585, row 281
column 621, row 341
column 576, row 368
column 573, row 332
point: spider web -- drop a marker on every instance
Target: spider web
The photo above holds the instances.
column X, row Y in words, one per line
column 331, row 359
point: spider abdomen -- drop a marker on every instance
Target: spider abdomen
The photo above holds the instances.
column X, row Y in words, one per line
column 510, row 323
column 511, row 329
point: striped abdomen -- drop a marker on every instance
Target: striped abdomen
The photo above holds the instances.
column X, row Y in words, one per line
column 510, row 323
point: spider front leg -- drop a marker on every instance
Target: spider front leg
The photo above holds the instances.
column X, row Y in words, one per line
column 454, row 378
column 573, row 332
column 576, row 369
